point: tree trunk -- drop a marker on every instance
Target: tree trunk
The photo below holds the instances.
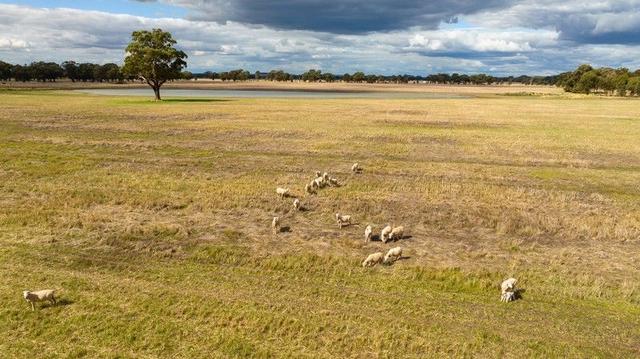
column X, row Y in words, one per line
column 156, row 91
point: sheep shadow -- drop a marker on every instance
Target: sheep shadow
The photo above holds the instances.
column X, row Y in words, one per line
column 518, row 294
column 403, row 258
column 59, row 303
column 285, row 229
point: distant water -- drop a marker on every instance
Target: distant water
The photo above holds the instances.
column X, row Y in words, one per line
column 212, row 93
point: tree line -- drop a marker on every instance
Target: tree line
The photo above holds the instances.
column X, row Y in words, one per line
column 76, row 72
column 314, row 75
column 608, row 81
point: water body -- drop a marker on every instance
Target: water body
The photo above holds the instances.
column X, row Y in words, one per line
column 213, row 93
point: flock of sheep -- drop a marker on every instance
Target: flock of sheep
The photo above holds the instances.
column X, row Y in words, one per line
column 388, row 233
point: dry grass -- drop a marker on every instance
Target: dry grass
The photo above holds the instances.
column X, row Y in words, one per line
column 153, row 220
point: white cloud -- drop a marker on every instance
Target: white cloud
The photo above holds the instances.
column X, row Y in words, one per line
column 498, row 42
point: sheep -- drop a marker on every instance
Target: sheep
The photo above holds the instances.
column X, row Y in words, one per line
column 275, row 225
column 309, row 188
column 356, row 168
column 367, row 233
column 396, row 233
column 342, row 220
column 508, row 297
column 283, row 192
column 509, row 285
column 39, row 296
column 318, row 174
column 319, row 182
column 296, row 204
column 373, row 259
column 325, row 177
column 334, row 182
column 393, row 255
column 508, row 290
column 386, row 231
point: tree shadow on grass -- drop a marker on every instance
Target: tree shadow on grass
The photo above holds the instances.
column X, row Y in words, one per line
column 187, row 100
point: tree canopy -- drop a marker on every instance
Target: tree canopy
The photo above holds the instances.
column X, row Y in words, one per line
column 151, row 56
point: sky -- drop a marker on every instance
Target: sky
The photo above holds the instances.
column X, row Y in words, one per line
column 418, row 37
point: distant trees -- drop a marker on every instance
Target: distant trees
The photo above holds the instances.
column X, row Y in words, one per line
column 5, row 71
column 151, row 56
column 279, row 75
column 234, row 75
column 586, row 79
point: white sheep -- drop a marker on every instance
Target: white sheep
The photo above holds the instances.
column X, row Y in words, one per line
column 508, row 297
column 325, row 177
column 334, row 182
column 275, row 225
column 319, row 182
column 393, row 255
column 508, row 290
column 283, row 192
column 367, row 233
column 373, row 259
column 296, row 204
column 356, row 168
column 308, row 189
column 396, row 233
column 318, row 174
column 39, row 296
column 386, row 231
column 509, row 285
column 343, row 220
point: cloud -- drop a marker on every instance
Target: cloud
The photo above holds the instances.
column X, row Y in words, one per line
column 336, row 16
column 476, row 43
column 585, row 22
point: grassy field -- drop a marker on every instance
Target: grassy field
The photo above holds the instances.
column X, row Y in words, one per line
column 152, row 220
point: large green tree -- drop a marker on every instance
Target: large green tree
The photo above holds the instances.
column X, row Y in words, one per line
column 151, row 56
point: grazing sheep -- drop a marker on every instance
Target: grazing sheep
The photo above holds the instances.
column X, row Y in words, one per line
column 508, row 297
column 39, row 296
column 396, row 233
column 325, row 177
column 386, row 231
column 373, row 259
column 334, row 182
column 356, row 168
column 367, row 233
column 283, row 192
column 309, row 188
column 508, row 290
column 318, row 174
column 509, row 285
column 275, row 225
column 296, row 204
column 393, row 255
column 319, row 182
column 343, row 220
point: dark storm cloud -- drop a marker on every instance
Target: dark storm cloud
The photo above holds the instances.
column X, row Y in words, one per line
column 337, row 16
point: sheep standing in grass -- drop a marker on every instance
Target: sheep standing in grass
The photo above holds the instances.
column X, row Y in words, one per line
column 343, row 220
column 325, row 177
column 39, row 296
column 393, row 255
column 373, row 259
column 318, row 174
column 296, row 204
column 356, row 168
column 334, row 182
column 396, row 233
column 275, row 225
column 386, row 231
column 309, row 188
column 367, row 233
column 508, row 290
column 319, row 182
column 283, row 192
